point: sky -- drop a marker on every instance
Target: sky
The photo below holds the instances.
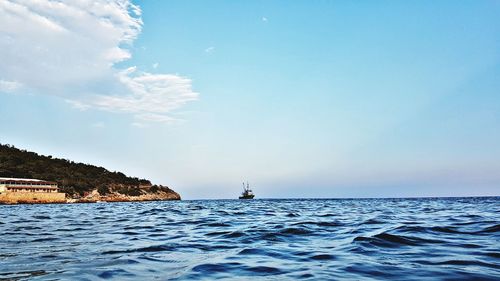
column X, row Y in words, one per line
column 300, row 98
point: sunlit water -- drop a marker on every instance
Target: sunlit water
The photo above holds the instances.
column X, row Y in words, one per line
column 402, row 239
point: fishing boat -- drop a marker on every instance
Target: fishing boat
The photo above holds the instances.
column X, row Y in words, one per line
column 247, row 192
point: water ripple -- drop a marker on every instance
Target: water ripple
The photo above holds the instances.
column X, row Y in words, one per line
column 351, row 239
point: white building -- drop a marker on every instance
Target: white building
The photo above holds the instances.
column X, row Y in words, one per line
column 8, row 185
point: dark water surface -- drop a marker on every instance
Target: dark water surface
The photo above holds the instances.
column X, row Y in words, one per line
column 367, row 239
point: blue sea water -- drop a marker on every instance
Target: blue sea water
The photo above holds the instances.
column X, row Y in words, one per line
column 323, row 239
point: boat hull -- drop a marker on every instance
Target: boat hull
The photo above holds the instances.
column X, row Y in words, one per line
column 247, row 197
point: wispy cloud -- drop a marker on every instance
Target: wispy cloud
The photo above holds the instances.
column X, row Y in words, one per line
column 70, row 49
column 98, row 125
column 139, row 125
column 151, row 96
column 155, row 65
column 264, row 19
column 210, row 49
column 9, row 86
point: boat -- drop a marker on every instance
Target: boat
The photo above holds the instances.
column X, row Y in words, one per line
column 247, row 192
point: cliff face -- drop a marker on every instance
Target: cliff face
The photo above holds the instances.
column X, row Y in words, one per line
column 123, row 193
column 80, row 182
column 95, row 196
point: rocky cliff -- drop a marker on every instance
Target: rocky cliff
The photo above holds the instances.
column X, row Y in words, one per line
column 117, row 194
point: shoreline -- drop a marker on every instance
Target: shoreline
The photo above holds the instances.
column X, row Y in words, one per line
column 87, row 202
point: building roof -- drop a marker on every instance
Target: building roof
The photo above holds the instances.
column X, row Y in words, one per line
column 32, row 187
column 27, row 180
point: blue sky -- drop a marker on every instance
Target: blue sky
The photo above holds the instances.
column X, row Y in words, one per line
column 301, row 98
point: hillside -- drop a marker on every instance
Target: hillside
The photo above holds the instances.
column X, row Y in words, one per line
column 79, row 180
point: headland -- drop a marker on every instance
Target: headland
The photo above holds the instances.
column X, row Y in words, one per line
column 26, row 177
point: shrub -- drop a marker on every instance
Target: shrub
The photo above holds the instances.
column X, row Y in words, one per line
column 103, row 190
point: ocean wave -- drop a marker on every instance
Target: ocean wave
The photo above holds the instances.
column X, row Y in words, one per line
column 366, row 239
column 391, row 240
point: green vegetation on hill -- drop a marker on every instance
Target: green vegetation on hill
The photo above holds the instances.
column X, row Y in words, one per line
column 73, row 178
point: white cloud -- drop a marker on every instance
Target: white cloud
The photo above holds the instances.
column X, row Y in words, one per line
column 264, row 19
column 70, row 49
column 210, row 49
column 98, row 125
column 139, row 125
column 150, row 96
column 155, row 65
column 9, row 86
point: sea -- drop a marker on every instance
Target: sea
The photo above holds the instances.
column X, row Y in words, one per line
column 296, row 239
